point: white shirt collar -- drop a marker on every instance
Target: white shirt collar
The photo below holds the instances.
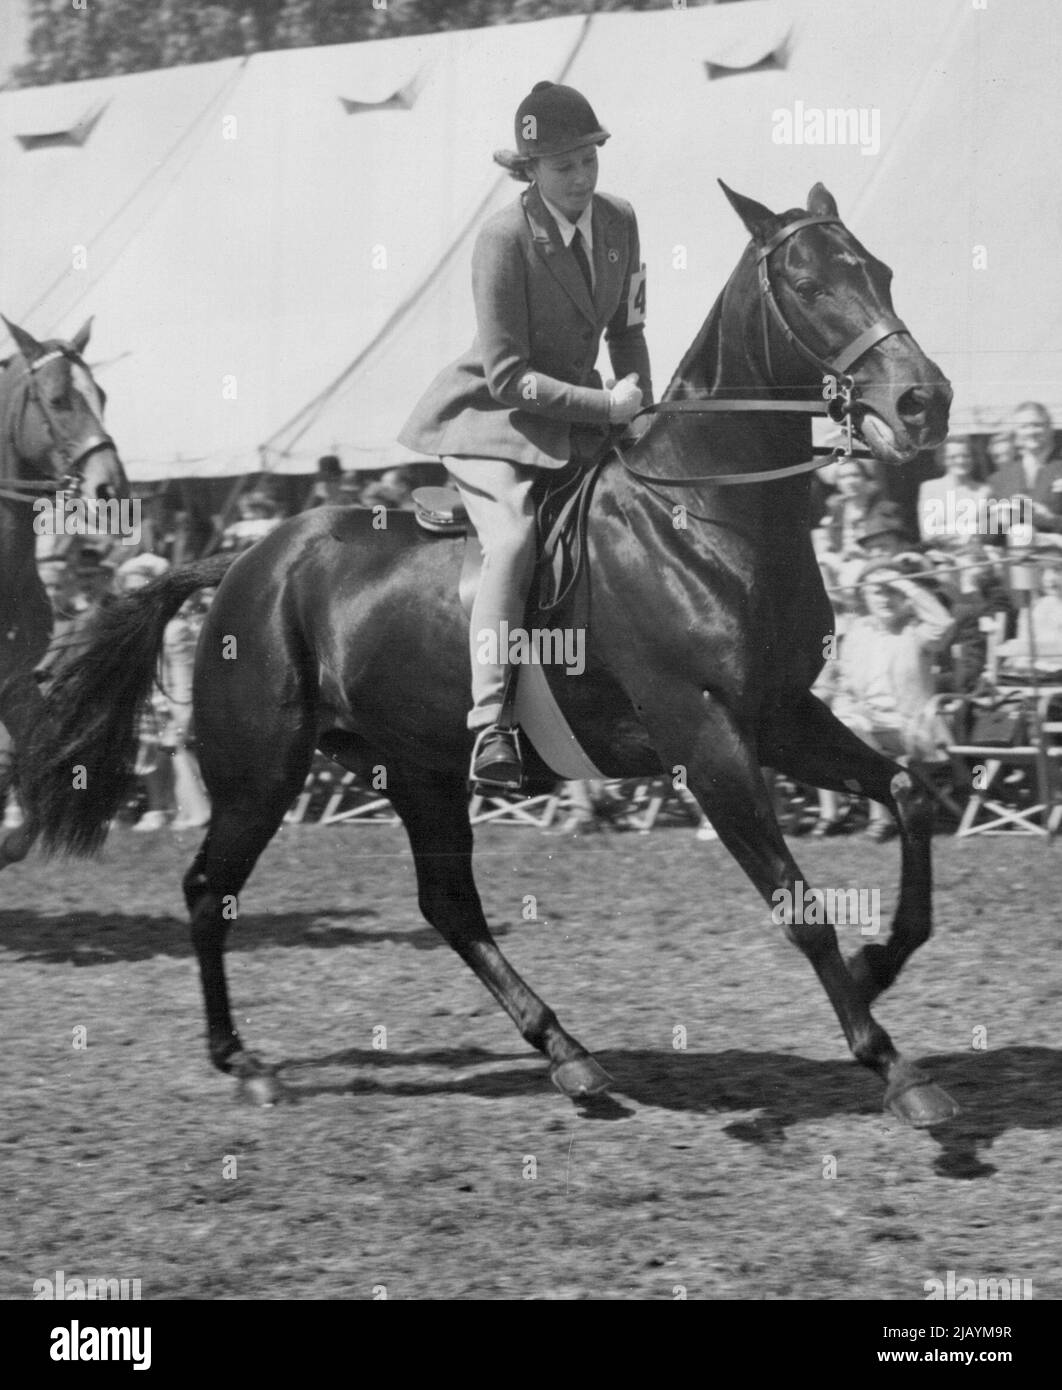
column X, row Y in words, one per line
column 567, row 229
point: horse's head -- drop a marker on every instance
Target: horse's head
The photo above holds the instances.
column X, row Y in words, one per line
column 827, row 310
column 51, row 415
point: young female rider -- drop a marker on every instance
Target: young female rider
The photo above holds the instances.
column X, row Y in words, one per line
column 550, row 273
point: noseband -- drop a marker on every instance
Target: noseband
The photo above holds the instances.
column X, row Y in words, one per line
column 71, row 479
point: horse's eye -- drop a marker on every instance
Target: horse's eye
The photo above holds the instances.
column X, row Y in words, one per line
column 808, row 290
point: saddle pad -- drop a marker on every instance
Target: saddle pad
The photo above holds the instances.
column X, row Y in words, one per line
column 540, row 717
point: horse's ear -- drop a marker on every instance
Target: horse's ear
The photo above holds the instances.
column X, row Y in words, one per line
column 760, row 223
column 26, row 343
column 821, row 202
column 79, row 341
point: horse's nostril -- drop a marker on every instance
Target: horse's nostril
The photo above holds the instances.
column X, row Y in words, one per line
column 913, row 404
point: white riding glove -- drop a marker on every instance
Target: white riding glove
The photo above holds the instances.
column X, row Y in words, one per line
column 625, row 400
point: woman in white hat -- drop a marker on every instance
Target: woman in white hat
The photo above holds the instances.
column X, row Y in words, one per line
column 550, row 274
column 885, row 681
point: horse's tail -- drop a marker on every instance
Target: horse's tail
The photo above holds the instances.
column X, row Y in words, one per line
column 80, row 766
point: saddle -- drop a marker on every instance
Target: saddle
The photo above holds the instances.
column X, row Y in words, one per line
column 562, row 506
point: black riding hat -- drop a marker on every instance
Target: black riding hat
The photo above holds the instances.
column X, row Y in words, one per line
column 552, row 119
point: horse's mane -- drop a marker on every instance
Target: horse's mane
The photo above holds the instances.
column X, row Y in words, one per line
column 703, row 355
column 704, row 351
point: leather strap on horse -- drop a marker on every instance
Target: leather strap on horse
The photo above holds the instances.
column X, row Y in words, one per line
column 562, row 546
column 882, row 328
column 821, row 455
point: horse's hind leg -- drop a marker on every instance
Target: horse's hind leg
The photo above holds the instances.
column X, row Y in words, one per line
column 724, row 774
column 803, row 739
column 247, row 809
column 434, row 809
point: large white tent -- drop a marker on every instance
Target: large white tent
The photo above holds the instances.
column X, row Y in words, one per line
column 276, row 249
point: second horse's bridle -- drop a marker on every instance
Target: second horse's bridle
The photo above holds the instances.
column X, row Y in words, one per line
column 70, row 478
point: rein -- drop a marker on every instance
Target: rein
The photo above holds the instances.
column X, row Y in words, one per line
column 839, row 410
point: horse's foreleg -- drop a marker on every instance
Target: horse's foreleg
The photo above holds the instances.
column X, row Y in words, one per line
column 435, row 814
column 22, row 713
column 804, row 740
column 724, row 775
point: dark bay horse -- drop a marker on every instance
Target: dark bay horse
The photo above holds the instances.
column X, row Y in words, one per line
column 706, row 634
column 52, row 440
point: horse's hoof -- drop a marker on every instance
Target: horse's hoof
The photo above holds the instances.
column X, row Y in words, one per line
column 261, row 1089
column 922, row 1104
column 580, row 1077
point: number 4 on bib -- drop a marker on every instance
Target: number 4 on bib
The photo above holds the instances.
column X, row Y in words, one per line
column 636, row 299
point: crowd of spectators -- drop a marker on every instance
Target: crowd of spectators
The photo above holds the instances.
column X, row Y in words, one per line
column 958, row 594
column 925, row 586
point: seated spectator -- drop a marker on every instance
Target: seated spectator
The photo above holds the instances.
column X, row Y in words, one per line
column 1001, row 451
column 1034, row 475
column 830, row 820
column 978, row 592
column 167, row 764
column 1037, row 648
column 60, row 585
column 846, row 511
column 95, row 575
column 259, row 515
column 74, row 585
column 954, row 507
column 391, row 489
column 881, row 534
column 329, row 489
column 885, row 672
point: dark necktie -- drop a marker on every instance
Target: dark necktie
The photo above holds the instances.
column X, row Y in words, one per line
column 579, row 248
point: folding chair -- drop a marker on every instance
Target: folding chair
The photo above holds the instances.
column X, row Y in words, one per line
column 368, row 807
column 656, row 796
column 1040, row 755
column 503, row 809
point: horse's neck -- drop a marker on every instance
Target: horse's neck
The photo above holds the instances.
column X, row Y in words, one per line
column 17, row 537
column 724, row 361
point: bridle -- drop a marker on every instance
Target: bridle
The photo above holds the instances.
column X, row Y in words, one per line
column 842, row 361
column 838, row 367
column 70, row 479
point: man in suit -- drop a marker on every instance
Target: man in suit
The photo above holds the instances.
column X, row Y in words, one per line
column 550, row 274
column 1034, row 474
